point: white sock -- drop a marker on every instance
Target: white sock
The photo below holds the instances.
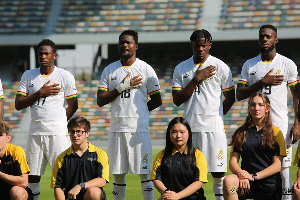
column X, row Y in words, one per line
column 119, row 187
column 286, row 183
column 36, row 189
column 218, row 188
column 147, row 187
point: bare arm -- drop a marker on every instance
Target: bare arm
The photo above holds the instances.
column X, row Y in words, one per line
column 243, row 92
column 295, row 130
column 59, row 194
column 96, row 182
column 189, row 190
column 21, row 181
column 72, row 107
column 1, row 110
column 229, row 101
column 159, row 186
column 234, row 162
column 155, row 101
column 104, row 97
column 272, row 169
column 179, row 97
column 22, row 102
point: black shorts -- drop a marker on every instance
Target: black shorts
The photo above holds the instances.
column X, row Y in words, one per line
column 261, row 192
column 82, row 193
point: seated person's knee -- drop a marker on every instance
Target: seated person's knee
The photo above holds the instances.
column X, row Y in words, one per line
column 17, row 192
column 93, row 193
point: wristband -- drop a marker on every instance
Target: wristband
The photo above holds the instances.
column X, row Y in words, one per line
column 124, row 86
column 82, row 186
column 254, row 177
column 164, row 191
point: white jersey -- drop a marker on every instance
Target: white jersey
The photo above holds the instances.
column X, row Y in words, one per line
column 1, row 91
column 204, row 109
column 48, row 114
column 255, row 69
column 129, row 111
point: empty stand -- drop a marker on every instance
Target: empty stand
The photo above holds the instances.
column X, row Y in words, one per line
column 253, row 14
column 23, row 16
column 82, row 16
column 11, row 116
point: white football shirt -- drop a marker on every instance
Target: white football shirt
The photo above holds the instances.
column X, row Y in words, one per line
column 204, row 109
column 48, row 114
column 255, row 69
column 129, row 111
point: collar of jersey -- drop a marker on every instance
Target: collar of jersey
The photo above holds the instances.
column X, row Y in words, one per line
column 175, row 151
column 250, row 125
column 91, row 149
column 126, row 66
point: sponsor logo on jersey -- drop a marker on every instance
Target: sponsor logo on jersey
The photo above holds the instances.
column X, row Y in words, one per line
column 145, row 158
column 8, row 163
column 288, row 151
column 185, row 76
column 253, row 73
column 113, row 79
column 31, row 85
column 220, row 155
column 91, row 159
column 278, row 72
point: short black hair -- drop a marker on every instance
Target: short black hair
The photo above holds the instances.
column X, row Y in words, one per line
column 133, row 33
column 268, row 26
column 79, row 121
column 47, row 42
column 201, row 34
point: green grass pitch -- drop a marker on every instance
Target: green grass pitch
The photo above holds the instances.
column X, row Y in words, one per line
column 133, row 184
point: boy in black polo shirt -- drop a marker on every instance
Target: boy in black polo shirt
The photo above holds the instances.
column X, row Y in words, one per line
column 14, row 169
column 81, row 171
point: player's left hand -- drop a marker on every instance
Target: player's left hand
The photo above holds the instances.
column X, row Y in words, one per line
column 295, row 133
column 74, row 192
column 170, row 195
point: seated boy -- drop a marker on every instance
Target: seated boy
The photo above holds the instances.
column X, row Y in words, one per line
column 14, row 169
column 81, row 171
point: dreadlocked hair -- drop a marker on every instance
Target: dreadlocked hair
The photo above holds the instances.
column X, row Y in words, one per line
column 267, row 137
column 201, row 34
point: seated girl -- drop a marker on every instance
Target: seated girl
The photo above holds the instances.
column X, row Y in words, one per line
column 261, row 147
column 179, row 170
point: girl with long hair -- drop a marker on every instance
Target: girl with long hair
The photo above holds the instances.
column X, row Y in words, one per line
column 179, row 170
column 262, row 148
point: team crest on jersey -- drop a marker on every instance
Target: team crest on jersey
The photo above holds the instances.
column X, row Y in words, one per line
column 113, row 79
column 185, row 76
column 145, row 158
column 220, row 155
column 91, row 159
column 209, row 79
column 278, row 72
column 288, row 151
